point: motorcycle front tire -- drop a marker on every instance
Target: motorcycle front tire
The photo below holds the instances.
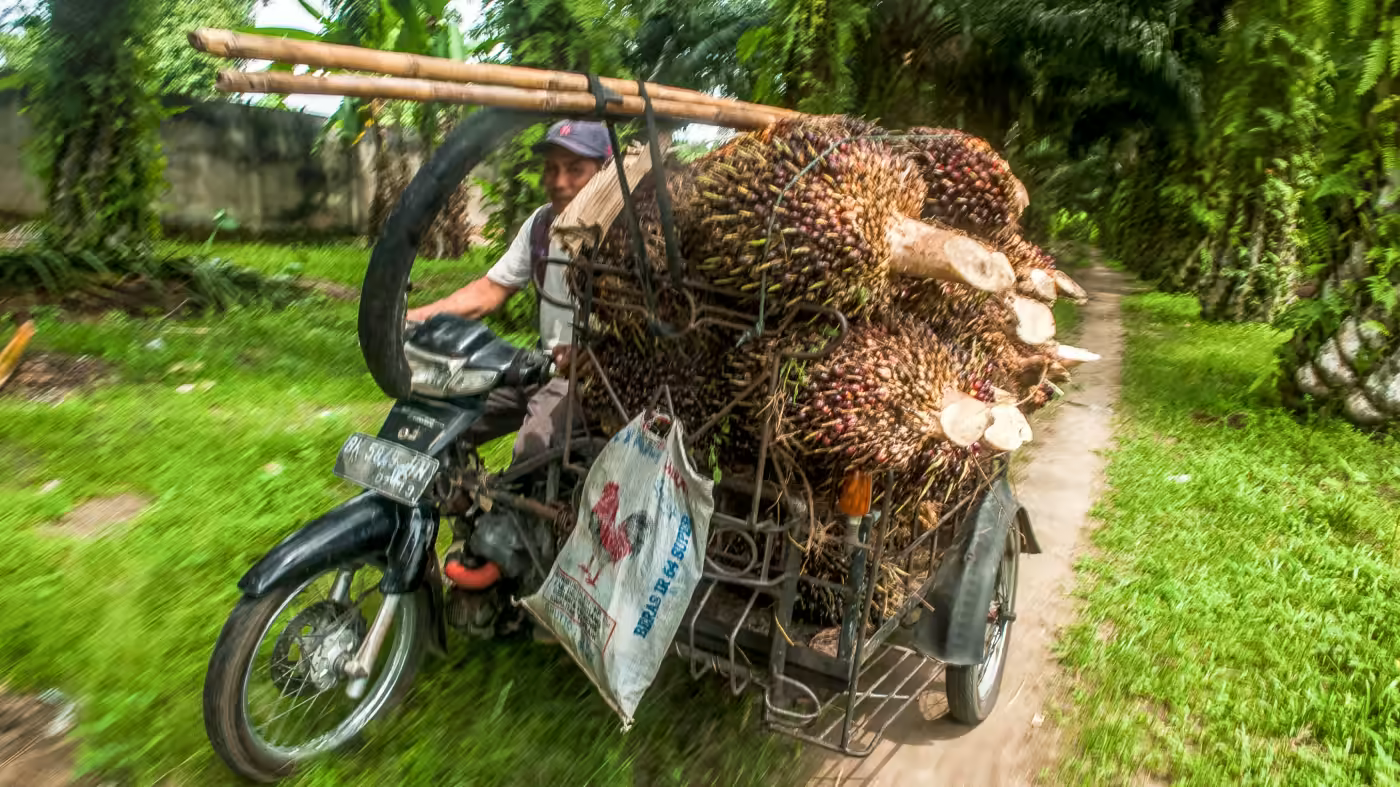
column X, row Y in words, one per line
column 226, row 719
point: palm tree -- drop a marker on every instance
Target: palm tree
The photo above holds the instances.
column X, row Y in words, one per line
column 427, row 27
column 97, row 127
column 567, row 35
column 1345, row 344
column 694, row 45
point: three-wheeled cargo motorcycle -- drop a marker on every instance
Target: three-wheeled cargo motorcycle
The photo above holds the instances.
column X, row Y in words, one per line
column 334, row 621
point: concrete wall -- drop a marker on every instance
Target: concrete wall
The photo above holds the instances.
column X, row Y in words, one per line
column 262, row 165
column 20, row 194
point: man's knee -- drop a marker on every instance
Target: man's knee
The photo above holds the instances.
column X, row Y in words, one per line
column 545, row 422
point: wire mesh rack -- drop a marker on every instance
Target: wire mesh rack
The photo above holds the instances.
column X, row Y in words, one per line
column 836, row 688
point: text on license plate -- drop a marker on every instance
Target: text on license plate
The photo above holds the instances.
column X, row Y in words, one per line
column 399, row 473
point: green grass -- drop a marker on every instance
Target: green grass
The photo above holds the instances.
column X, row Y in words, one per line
column 1242, row 627
column 125, row 623
column 1067, row 319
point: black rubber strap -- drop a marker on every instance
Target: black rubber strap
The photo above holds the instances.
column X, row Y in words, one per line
column 602, row 96
column 634, row 228
column 663, row 194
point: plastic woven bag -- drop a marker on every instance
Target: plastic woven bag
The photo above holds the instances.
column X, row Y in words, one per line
column 623, row 581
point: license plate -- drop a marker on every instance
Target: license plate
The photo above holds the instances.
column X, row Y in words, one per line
column 399, row 473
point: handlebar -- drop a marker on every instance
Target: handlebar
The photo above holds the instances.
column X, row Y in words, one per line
column 532, row 367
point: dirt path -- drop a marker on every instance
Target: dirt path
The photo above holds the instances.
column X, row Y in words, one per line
column 34, row 749
column 1058, row 483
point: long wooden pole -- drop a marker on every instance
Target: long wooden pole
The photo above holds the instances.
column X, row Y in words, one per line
column 228, row 44
column 570, row 103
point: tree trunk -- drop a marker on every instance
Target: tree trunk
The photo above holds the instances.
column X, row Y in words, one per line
column 1185, row 274
column 449, row 236
column 1355, row 365
column 1252, row 272
column 391, row 177
column 101, row 149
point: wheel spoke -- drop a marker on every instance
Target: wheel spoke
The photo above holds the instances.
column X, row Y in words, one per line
column 283, row 715
column 308, row 635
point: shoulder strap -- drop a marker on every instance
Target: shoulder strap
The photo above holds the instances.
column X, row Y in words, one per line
column 539, row 242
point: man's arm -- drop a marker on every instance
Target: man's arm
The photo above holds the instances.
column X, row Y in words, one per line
column 475, row 300
column 508, row 276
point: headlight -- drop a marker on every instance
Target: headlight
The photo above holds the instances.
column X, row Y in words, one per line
column 472, row 381
column 439, row 376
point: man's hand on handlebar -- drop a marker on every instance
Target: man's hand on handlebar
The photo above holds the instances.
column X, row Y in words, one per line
column 563, row 354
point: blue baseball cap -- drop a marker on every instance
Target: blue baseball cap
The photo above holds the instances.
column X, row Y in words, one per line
column 584, row 137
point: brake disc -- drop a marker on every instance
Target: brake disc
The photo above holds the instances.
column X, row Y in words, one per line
column 322, row 634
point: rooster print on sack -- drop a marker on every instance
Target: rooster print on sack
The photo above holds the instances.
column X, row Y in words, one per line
column 619, row 539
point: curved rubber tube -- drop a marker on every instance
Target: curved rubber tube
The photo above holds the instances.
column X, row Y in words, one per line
column 382, row 309
column 480, row 578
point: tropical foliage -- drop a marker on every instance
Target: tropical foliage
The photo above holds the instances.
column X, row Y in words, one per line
column 565, row 35
column 173, row 68
column 97, row 123
column 1279, row 206
column 402, row 133
column 1241, row 150
column 98, row 79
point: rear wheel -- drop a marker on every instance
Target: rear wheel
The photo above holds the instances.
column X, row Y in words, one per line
column 276, row 694
column 972, row 690
column 382, row 304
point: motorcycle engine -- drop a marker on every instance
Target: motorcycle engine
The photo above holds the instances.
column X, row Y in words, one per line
column 501, row 537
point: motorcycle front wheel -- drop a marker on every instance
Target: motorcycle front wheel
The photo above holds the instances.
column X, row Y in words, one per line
column 275, row 695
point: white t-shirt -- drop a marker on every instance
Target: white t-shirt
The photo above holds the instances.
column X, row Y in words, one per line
column 513, row 270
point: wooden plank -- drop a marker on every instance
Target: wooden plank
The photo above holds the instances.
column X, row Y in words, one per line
column 595, row 208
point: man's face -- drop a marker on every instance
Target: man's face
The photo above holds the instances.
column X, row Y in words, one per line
column 565, row 175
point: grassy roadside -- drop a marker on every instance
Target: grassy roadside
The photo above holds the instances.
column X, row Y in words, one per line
column 125, row 622
column 1241, row 610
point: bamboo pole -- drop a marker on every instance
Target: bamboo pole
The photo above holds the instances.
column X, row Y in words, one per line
column 487, row 95
column 228, row 44
column 9, row 357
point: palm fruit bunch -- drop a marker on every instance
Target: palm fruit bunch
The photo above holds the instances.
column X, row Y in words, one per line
column 1025, row 255
column 875, row 402
column 620, row 300
column 636, row 367
column 920, row 350
column 928, row 490
column 965, row 320
column 968, row 185
column 753, row 226
column 987, row 322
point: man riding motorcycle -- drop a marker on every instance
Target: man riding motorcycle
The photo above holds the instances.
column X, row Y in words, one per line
column 574, row 151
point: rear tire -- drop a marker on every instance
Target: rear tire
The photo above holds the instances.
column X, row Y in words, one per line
column 972, row 691
column 226, row 719
column 383, row 292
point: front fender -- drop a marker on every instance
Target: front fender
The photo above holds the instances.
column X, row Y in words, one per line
column 955, row 631
column 367, row 528
column 359, row 529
